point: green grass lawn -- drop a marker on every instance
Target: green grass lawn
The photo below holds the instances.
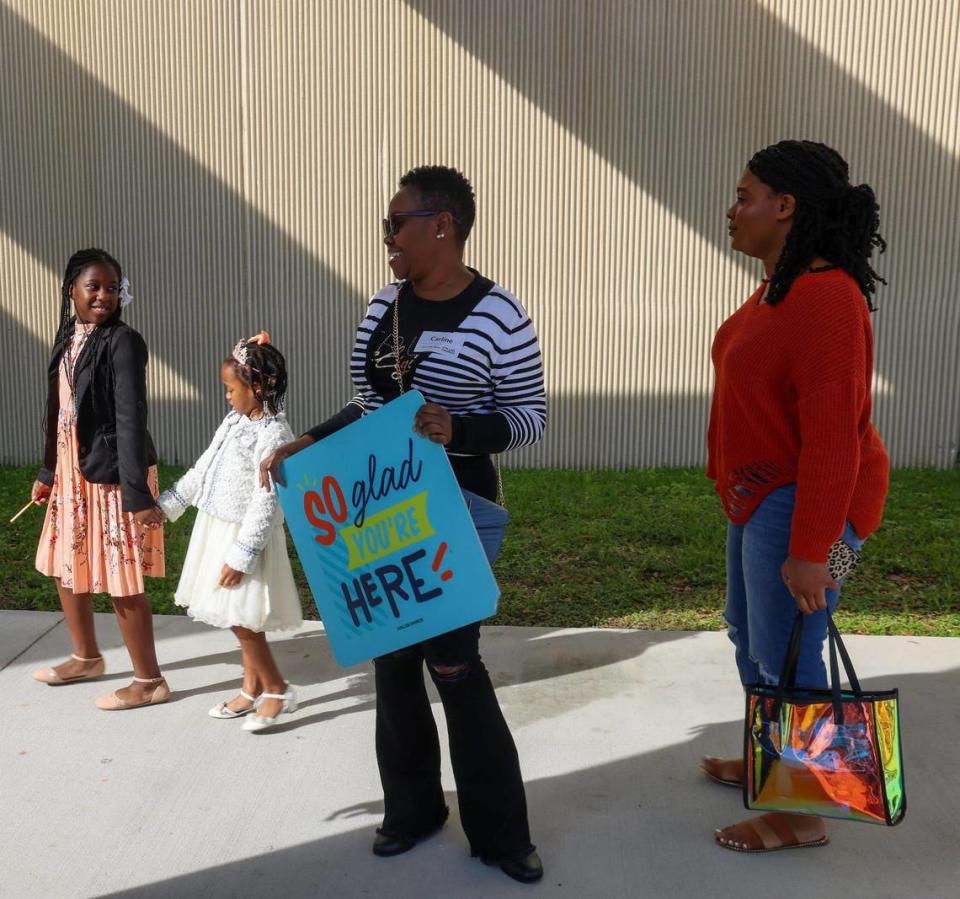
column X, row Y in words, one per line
column 639, row 549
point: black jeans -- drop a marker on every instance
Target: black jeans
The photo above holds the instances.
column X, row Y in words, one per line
column 490, row 793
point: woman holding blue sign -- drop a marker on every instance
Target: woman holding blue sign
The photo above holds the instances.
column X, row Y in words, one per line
column 470, row 348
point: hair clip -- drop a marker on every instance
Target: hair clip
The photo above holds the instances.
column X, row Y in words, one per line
column 240, row 350
column 126, row 298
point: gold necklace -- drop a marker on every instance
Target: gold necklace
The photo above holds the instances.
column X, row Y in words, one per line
column 71, row 354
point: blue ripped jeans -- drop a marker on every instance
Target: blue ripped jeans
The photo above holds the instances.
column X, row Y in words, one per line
column 760, row 610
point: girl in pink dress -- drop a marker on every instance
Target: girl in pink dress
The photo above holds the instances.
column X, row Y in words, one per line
column 102, row 530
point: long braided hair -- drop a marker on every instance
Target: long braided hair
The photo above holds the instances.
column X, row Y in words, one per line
column 68, row 321
column 78, row 262
column 834, row 219
column 264, row 372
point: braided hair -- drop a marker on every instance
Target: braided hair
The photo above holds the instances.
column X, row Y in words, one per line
column 78, row 262
column 265, row 373
column 103, row 334
column 834, row 219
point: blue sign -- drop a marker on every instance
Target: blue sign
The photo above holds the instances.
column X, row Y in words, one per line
column 384, row 535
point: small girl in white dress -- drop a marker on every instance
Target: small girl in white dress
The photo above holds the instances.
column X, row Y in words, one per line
column 237, row 572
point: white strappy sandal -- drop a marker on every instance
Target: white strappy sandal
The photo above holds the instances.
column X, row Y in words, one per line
column 50, row 676
column 222, row 711
column 257, row 722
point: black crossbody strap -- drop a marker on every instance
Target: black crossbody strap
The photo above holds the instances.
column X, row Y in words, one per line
column 398, row 377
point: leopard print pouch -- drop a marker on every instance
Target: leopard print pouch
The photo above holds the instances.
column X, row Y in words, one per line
column 841, row 560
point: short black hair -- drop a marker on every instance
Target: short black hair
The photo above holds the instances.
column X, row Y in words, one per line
column 834, row 219
column 446, row 190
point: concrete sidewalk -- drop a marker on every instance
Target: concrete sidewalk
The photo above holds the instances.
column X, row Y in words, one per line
column 609, row 725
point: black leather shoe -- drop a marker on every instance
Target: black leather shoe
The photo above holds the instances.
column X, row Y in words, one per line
column 527, row 869
column 387, row 844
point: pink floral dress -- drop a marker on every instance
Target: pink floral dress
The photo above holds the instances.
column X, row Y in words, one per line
column 87, row 540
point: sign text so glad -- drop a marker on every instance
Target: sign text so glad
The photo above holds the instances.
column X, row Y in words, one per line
column 384, row 536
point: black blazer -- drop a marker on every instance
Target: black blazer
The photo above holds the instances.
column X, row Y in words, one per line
column 111, row 400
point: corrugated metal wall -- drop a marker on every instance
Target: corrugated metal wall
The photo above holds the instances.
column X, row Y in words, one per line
column 238, row 156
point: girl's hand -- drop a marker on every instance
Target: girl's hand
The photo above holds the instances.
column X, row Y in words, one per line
column 230, row 577
column 40, row 493
column 807, row 583
column 150, row 518
column 270, row 466
column 434, row 423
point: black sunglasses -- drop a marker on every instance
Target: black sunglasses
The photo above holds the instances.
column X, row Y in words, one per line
column 396, row 220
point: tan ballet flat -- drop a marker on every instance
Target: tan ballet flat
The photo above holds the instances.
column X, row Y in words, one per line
column 110, row 702
column 49, row 676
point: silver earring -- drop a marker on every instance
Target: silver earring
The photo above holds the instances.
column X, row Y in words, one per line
column 440, row 236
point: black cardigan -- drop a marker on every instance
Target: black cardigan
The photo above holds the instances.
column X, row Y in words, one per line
column 111, row 401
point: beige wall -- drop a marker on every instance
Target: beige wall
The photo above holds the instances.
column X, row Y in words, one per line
column 238, row 156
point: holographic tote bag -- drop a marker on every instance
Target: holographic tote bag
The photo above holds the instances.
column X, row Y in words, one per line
column 834, row 753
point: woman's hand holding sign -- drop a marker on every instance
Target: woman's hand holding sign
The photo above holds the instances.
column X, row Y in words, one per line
column 270, row 466
column 434, row 423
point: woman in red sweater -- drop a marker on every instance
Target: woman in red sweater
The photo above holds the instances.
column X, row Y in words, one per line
column 795, row 458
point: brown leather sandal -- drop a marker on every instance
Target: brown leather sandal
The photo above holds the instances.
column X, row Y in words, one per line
column 763, row 834
column 713, row 768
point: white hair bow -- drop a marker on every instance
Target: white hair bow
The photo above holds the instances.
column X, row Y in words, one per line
column 126, row 298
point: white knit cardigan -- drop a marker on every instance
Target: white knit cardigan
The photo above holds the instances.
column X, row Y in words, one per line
column 225, row 483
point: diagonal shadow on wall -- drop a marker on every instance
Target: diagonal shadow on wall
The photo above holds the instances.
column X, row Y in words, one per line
column 82, row 167
column 171, row 204
column 670, row 77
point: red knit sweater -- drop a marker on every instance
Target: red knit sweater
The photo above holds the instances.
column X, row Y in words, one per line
column 792, row 405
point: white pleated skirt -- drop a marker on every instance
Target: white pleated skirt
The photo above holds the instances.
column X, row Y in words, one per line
column 265, row 600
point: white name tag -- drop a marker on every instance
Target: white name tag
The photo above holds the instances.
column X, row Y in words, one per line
column 439, row 342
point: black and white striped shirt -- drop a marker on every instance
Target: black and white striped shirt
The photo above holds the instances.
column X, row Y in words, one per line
column 486, row 370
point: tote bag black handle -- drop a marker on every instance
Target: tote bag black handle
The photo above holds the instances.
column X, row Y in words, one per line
column 788, row 674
